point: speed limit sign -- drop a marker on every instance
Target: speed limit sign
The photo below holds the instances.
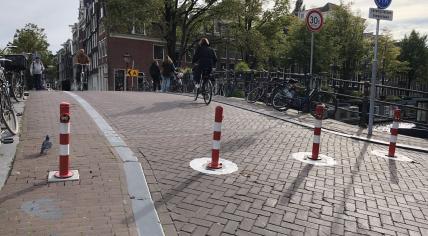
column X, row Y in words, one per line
column 314, row 20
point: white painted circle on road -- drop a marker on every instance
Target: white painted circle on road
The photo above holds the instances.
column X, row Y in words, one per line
column 398, row 157
column 201, row 164
column 306, row 158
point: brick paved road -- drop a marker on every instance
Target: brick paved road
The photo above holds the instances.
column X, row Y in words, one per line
column 330, row 123
column 98, row 204
column 271, row 194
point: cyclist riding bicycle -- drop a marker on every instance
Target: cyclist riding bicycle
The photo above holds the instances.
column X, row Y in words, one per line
column 83, row 60
column 205, row 58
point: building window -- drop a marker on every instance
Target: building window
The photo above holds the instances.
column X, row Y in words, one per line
column 158, row 52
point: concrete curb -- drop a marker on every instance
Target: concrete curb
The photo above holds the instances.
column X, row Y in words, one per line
column 143, row 207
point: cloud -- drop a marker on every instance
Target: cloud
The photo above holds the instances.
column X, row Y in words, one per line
column 52, row 15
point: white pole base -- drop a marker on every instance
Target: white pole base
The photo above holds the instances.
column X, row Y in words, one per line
column 52, row 178
column 201, row 164
column 305, row 157
column 397, row 157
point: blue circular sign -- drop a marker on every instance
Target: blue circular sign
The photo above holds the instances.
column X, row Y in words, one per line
column 383, row 4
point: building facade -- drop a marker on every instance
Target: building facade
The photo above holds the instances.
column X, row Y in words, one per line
column 65, row 66
column 107, row 50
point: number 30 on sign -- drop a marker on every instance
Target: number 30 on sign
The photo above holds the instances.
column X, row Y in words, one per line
column 314, row 20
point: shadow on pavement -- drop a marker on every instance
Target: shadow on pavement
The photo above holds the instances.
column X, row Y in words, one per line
column 393, row 171
column 285, row 199
column 166, row 197
column 355, row 169
column 23, row 191
column 160, row 107
column 136, row 111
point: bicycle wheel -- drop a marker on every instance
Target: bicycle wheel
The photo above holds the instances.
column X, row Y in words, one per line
column 255, row 95
column 207, row 91
column 282, row 99
column 328, row 99
column 8, row 115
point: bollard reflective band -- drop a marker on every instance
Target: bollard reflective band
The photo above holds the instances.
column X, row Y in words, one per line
column 319, row 113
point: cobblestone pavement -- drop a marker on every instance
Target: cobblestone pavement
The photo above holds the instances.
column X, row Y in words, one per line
column 330, row 123
column 271, row 193
column 98, row 204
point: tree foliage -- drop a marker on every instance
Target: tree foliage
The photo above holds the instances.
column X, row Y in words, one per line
column 414, row 51
column 30, row 39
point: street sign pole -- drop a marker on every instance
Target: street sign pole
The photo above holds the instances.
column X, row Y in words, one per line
column 373, row 81
column 312, row 53
column 125, row 78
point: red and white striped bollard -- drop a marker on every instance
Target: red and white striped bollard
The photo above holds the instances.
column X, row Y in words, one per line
column 64, row 141
column 319, row 113
column 394, row 133
column 215, row 152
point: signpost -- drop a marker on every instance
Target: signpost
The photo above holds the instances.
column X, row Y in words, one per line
column 378, row 14
column 314, row 23
column 382, row 4
column 132, row 72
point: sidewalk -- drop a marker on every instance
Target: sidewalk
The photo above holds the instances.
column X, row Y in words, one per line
column 97, row 204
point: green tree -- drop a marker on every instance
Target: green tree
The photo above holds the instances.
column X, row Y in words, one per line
column 414, row 51
column 346, row 32
column 31, row 39
column 130, row 16
column 257, row 31
column 389, row 64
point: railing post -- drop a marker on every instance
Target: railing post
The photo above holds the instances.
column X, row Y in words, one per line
column 365, row 105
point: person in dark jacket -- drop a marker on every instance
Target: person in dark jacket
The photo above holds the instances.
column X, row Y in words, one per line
column 156, row 75
column 205, row 58
column 167, row 74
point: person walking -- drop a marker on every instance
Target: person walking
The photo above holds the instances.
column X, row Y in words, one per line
column 156, row 75
column 36, row 71
column 168, row 70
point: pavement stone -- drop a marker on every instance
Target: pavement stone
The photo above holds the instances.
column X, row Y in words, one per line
column 362, row 194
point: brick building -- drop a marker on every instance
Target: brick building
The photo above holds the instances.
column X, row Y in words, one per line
column 107, row 50
column 65, row 65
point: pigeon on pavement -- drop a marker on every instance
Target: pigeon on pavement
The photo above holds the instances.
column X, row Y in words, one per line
column 46, row 145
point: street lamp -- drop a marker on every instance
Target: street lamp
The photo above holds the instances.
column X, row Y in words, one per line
column 127, row 58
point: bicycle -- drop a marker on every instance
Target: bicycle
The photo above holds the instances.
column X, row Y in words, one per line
column 206, row 89
column 8, row 114
column 82, row 76
column 287, row 97
column 16, row 84
column 265, row 91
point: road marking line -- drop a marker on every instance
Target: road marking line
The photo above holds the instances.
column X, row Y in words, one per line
column 143, row 207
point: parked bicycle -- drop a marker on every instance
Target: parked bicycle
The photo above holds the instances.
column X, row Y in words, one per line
column 264, row 91
column 289, row 97
column 8, row 114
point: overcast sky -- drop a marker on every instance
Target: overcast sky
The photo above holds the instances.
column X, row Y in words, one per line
column 55, row 16
column 408, row 14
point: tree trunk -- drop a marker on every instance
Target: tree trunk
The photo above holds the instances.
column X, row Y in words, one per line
column 171, row 22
